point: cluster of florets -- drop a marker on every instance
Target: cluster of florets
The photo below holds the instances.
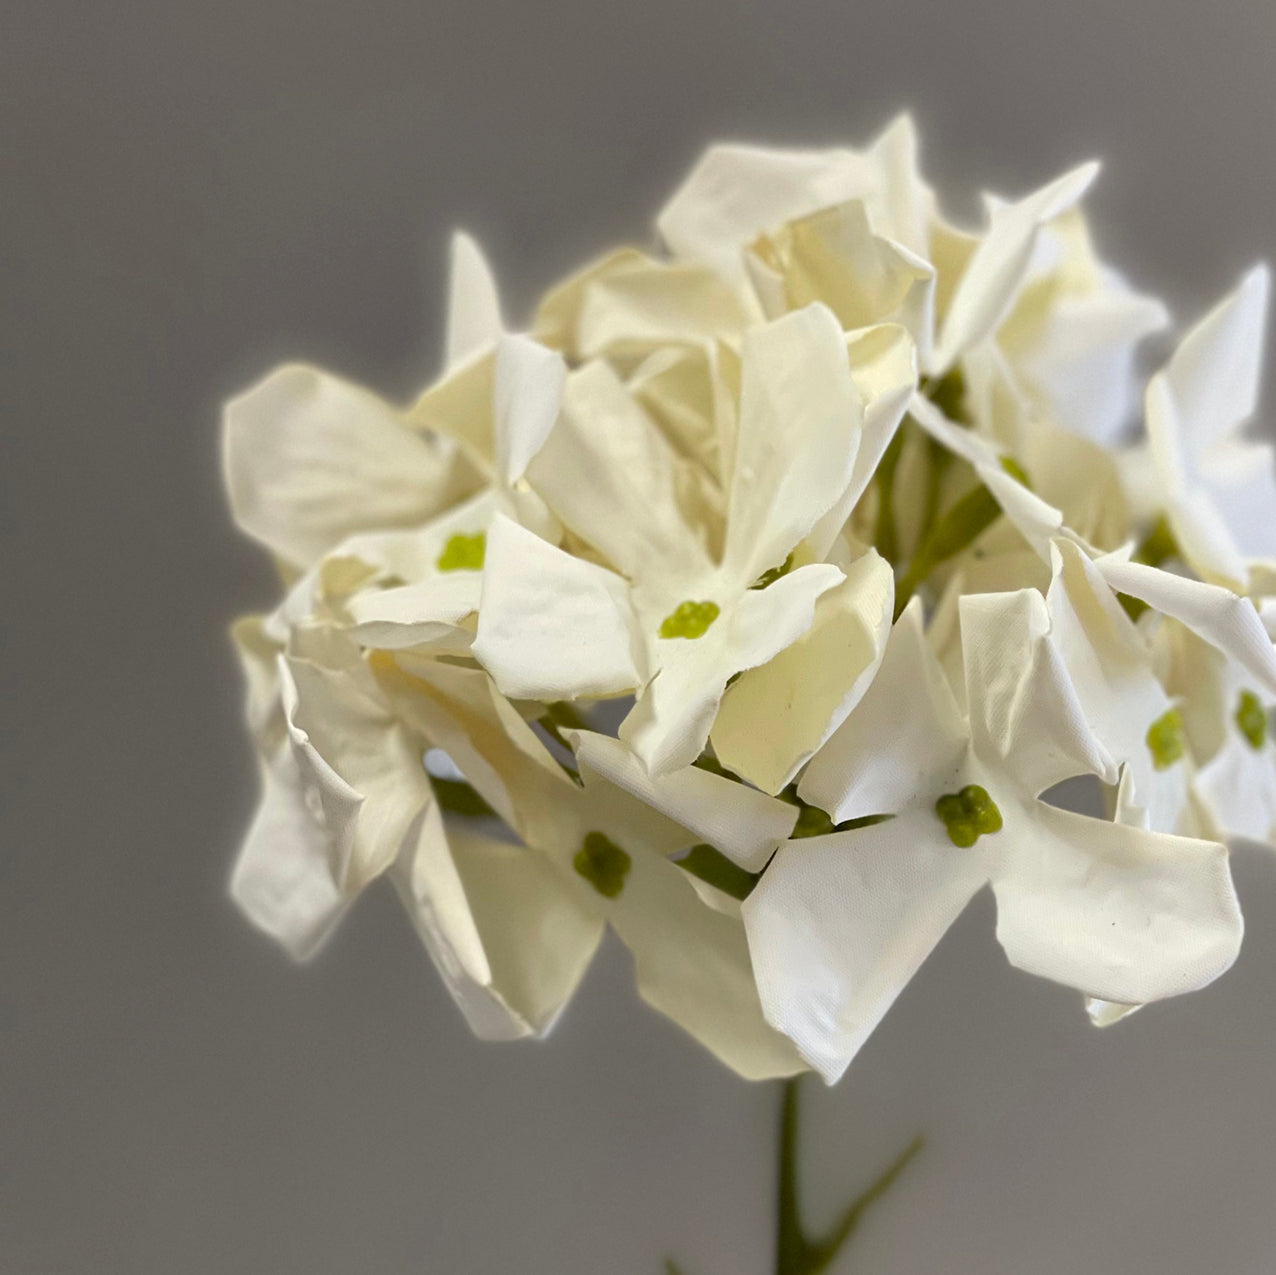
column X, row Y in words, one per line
column 752, row 602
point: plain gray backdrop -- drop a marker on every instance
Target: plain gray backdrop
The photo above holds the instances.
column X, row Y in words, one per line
column 192, row 192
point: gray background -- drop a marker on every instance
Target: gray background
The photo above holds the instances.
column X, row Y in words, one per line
column 192, row 192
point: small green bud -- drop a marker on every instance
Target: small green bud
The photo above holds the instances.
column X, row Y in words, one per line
column 463, row 553
column 690, row 620
column 603, row 864
column 1251, row 720
column 1165, row 739
column 968, row 815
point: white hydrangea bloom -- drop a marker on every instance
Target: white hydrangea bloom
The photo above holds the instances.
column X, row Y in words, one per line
column 749, row 603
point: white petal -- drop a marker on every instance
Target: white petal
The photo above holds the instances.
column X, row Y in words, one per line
column 347, row 740
column 1218, row 616
column 424, row 614
column 838, row 925
column 474, row 307
column 1110, row 667
column 1038, row 521
column 1025, row 716
column 884, row 369
column 650, row 304
column 1118, row 913
column 669, row 723
column 692, row 964
column 903, row 740
column 744, row 824
column 1108, row 1013
column 283, row 878
column 557, row 319
column 800, row 422
column 552, row 626
column 776, row 716
column 833, row 256
column 529, row 392
column 735, row 192
column 1211, row 383
column 1238, row 787
column 460, row 711
column 612, row 476
column 530, row 939
column 310, row 459
column 996, row 272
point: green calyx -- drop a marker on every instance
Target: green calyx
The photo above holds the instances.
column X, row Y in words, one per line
column 1165, row 739
column 1251, row 720
column 690, row 620
column 771, row 576
column 968, row 815
column 463, row 553
column 603, row 864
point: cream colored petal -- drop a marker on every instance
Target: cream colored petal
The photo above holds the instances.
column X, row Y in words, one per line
column 460, row 406
column 1110, row 668
column 347, row 740
column 1026, row 718
column 1116, row 912
column 1218, row 616
column 1036, row 520
column 997, row 270
column 776, row 716
column 633, row 310
column 529, row 393
column 691, row 963
column 838, row 926
column 460, row 711
column 735, row 192
column 800, row 424
column 1211, row 383
column 474, row 307
column 834, row 257
column 669, row 723
column 1238, row 788
column 746, row 825
column 283, row 879
column 310, row 459
column 425, row 614
column 1107, row 1013
column 552, row 626
column 532, row 939
column 557, row 316
column 904, row 743
column 610, row 474
column 258, row 655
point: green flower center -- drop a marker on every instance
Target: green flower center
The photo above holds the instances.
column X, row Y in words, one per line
column 463, row 553
column 968, row 815
column 1251, row 720
column 690, row 620
column 603, row 864
column 1165, row 739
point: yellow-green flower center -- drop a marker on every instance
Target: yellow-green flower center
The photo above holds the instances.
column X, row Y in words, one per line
column 603, row 864
column 968, row 815
column 690, row 620
column 1165, row 739
column 1251, row 720
column 463, row 553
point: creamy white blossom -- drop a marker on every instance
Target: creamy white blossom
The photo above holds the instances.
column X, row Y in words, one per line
column 751, row 601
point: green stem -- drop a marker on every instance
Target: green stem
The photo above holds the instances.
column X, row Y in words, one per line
column 796, row 1253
